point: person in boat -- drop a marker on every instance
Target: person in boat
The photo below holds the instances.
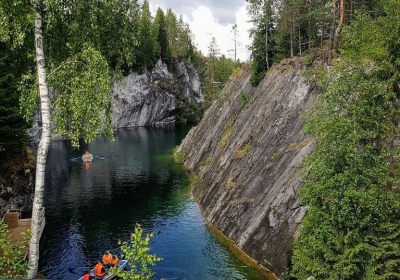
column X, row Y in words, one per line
column 99, row 270
column 87, row 156
column 107, row 257
column 114, row 261
column 87, row 275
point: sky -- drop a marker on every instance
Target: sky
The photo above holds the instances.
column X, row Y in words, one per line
column 212, row 18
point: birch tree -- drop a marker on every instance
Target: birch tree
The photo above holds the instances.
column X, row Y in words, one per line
column 43, row 144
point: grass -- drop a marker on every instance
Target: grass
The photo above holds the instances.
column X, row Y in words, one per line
column 242, row 151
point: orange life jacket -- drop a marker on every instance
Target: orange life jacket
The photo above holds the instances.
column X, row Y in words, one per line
column 114, row 261
column 87, row 276
column 99, row 270
column 87, row 155
column 107, row 258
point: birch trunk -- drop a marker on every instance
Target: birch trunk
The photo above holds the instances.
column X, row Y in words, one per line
column 43, row 144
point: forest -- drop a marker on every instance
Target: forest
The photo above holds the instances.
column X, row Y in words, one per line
column 118, row 36
column 351, row 49
column 351, row 182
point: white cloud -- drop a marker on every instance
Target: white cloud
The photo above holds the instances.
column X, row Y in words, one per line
column 204, row 25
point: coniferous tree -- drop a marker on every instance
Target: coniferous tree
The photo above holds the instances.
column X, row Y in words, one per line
column 162, row 37
column 13, row 134
column 259, row 50
column 235, row 34
column 147, row 43
column 291, row 32
column 263, row 45
column 210, row 84
column 172, row 32
column 185, row 46
column 224, row 68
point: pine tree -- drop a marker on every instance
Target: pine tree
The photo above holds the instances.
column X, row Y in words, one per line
column 13, row 134
column 162, row 37
column 263, row 45
column 147, row 44
column 210, row 84
column 172, row 32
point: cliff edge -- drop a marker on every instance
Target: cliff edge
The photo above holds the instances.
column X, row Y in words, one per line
column 246, row 153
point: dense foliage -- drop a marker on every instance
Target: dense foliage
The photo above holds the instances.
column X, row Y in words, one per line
column 11, row 254
column 13, row 135
column 14, row 61
column 352, row 229
column 263, row 42
column 218, row 70
column 137, row 252
column 285, row 28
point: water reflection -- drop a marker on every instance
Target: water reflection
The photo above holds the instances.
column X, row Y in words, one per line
column 90, row 207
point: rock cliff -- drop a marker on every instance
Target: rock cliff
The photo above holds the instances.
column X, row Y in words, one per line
column 246, row 153
column 151, row 98
column 16, row 182
column 154, row 97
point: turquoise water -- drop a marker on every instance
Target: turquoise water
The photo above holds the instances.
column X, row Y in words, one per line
column 89, row 207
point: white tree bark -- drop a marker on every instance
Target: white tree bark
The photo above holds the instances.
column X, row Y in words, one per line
column 43, row 144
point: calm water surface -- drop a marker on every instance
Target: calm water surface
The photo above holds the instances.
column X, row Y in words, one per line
column 89, row 207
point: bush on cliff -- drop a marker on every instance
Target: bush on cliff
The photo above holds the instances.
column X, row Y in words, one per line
column 351, row 230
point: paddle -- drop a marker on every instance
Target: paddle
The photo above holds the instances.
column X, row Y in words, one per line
column 71, row 269
column 73, row 159
column 101, row 157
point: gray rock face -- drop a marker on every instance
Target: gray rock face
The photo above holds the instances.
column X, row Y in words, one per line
column 188, row 77
column 16, row 190
column 153, row 98
column 139, row 101
column 246, row 152
column 148, row 99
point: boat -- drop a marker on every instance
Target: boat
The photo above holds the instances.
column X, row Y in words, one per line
column 87, row 157
column 121, row 265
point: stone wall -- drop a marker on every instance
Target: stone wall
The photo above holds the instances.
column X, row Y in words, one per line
column 246, row 153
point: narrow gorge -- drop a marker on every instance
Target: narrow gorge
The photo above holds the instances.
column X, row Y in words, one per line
column 245, row 153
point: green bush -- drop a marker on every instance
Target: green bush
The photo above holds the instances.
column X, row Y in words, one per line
column 179, row 157
column 137, row 252
column 12, row 263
